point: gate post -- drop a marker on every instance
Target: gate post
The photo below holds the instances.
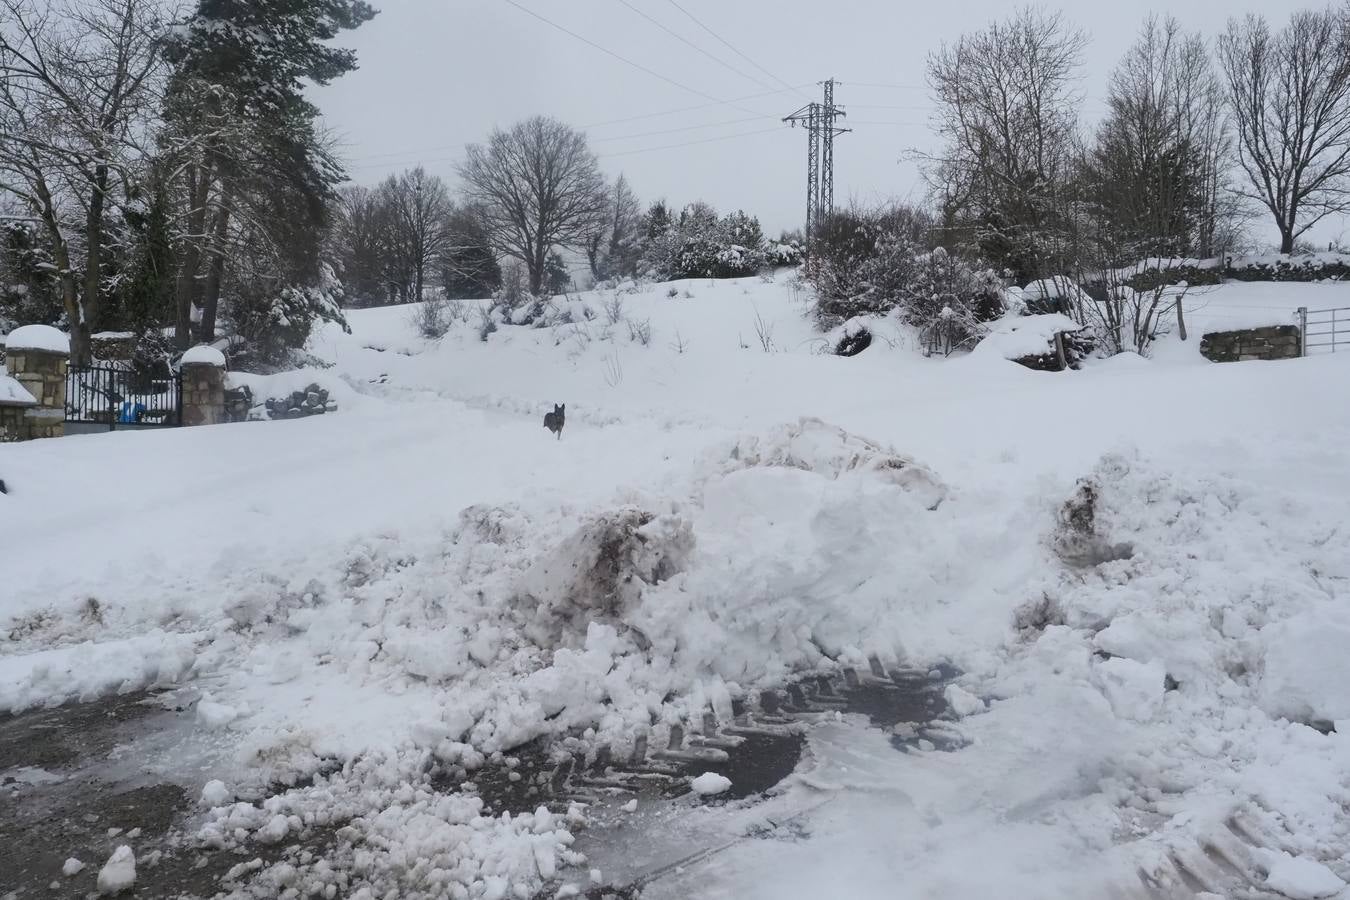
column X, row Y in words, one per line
column 203, row 389
column 38, row 358
column 1303, row 331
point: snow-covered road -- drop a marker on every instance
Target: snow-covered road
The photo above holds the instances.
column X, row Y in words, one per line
column 1140, row 571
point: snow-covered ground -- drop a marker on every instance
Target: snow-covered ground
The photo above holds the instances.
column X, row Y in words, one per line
column 1141, row 569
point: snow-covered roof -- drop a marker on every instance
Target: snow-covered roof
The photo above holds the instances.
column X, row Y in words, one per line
column 204, row 354
column 14, row 394
column 38, row 337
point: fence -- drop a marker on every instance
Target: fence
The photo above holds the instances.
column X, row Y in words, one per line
column 115, row 397
column 1324, row 329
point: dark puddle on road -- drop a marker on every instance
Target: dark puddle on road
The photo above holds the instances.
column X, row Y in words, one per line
column 70, row 775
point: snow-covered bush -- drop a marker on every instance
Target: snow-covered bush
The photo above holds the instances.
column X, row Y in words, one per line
column 872, row 263
column 699, row 244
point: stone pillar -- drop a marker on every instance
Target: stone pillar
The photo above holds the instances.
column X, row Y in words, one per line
column 203, row 386
column 38, row 358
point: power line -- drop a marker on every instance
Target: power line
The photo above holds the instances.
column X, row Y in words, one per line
column 683, row 40
column 726, row 43
column 623, row 59
column 624, row 137
column 616, row 137
column 671, row 112
column 725, row 137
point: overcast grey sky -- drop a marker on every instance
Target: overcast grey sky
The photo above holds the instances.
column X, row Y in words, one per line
column 437, row 74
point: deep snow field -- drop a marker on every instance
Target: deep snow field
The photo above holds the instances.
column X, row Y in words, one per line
column 1141, row 570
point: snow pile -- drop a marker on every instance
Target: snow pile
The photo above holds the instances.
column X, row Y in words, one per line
column 119, row 872
column 203, row 355
column 38, row 337
column 1300, row 878
column 811, row 445
column 709, row 784
column 1014, row 337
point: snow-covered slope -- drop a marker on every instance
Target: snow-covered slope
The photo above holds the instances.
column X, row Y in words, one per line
column 1127, row 564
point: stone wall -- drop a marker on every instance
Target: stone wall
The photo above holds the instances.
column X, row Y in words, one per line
column 43, row 374
column 203, row 394
column 1273, row 342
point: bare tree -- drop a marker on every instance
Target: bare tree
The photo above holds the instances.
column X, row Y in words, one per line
column 539, row 187
column 1290, row 95
column 1007, row 112
column 612, row 246
column 360, row 242
column 78, row 85
column 418, row 209
column 1157, row 169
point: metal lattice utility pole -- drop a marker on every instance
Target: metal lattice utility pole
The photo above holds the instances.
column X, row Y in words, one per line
column 819, row 120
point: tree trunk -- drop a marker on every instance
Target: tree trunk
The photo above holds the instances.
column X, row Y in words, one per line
column 190, row 255
column 1286, row 240
column 81, row 324
column 206, row 332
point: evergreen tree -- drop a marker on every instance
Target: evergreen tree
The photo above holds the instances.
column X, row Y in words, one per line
column 469, row 267
column 246, row 140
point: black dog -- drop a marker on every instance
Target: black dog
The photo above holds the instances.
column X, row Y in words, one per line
column 554, row 421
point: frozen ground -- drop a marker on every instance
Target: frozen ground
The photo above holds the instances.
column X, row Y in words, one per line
column 1140, row 570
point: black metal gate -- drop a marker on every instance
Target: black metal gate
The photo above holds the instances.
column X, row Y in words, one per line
column 115, row 397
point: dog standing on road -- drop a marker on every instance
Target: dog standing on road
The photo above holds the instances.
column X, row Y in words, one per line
column 554, row 421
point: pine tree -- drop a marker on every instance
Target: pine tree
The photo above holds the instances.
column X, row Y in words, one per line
column 246, row 140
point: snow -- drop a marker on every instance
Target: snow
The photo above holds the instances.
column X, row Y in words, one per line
column 215, row 793
column 710, row 783
column 1300, row 878
column 1016, row 336
column 14, row 393
column 37, row 337
column 1306, row 667
column 431, row 576
column 204, row 355
column 119, row 872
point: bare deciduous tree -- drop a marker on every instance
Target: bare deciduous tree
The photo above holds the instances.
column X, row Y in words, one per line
column 1156, row 171
column 612, row 246
column 1290, row 97
column 539, row 187
column 1008, row 115
column 78, row 84
column 418, row 213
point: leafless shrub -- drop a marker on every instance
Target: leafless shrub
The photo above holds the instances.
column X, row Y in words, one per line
column 432, row 319
column 764, row 331
column 679, row 345
column 614, row 310
column 640, row 332
column 486, row 323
